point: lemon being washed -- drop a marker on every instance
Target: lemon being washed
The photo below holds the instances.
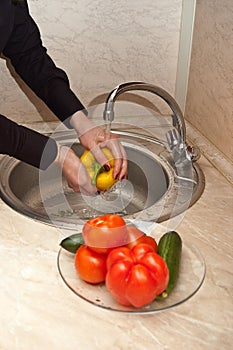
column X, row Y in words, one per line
column 101, row 178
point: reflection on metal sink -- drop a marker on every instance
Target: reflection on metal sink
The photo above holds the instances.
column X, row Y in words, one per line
column 156, row 190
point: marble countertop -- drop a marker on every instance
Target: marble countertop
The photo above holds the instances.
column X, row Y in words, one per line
column 38, row 311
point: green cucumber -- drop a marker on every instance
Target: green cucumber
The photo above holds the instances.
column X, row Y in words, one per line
column 169, row 248
column 72, row 243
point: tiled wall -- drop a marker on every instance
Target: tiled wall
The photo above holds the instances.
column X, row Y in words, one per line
column 100, row 44
column 209, row 105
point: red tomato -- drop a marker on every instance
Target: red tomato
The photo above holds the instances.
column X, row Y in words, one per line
column 90, row 266
column 135, row 277
column 104, row 233
column 136, row 236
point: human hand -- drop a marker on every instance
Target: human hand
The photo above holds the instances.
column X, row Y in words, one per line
column 75, row 173
column 94, row 138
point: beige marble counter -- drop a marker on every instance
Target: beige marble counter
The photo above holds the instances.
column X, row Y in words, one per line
column 38, row 311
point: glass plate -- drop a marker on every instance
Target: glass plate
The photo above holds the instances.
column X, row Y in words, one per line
column 191, row 277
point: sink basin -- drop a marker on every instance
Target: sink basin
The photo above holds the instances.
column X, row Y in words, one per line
column 156, row 189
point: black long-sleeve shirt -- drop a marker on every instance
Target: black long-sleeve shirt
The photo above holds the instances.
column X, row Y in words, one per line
column 20, row 41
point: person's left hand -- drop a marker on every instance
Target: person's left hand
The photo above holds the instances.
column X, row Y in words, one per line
column 94, row 138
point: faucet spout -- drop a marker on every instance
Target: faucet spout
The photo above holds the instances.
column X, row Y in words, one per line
column 178, row 120
column 177, row 116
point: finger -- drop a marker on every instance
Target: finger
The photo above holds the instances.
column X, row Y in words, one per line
column 120, row 168
column 88, row 190
column 124, row 170
column 100, row 156
column 120, row 158
column 124, row 165
column 75, row 188
column 84, row 182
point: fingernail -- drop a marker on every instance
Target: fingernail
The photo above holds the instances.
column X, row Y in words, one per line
column 106, row 167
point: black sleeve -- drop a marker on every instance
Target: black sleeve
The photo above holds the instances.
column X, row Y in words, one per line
column 36, row 68
column 25, row 144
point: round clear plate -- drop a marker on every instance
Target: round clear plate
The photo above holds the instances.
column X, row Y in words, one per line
column 191, row 277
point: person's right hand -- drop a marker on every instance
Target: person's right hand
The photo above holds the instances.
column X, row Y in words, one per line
column 75, row 173
column 94, row 138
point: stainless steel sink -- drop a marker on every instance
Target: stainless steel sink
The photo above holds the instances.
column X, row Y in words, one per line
column 157, row 187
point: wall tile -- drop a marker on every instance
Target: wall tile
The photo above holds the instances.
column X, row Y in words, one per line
column 209, row 105
column 100, row 44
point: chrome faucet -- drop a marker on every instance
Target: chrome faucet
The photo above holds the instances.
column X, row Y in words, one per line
column 176, row 142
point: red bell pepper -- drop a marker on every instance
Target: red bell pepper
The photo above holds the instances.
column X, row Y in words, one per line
column 136, row 276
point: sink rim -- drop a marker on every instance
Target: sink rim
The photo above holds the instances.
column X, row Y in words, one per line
column 7, row 165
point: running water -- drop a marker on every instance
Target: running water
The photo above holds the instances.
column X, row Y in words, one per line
column 118, row 196
column 114, row 200
column 107, row 127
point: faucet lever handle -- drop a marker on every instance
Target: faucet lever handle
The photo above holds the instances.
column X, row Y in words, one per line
column 172, row 138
